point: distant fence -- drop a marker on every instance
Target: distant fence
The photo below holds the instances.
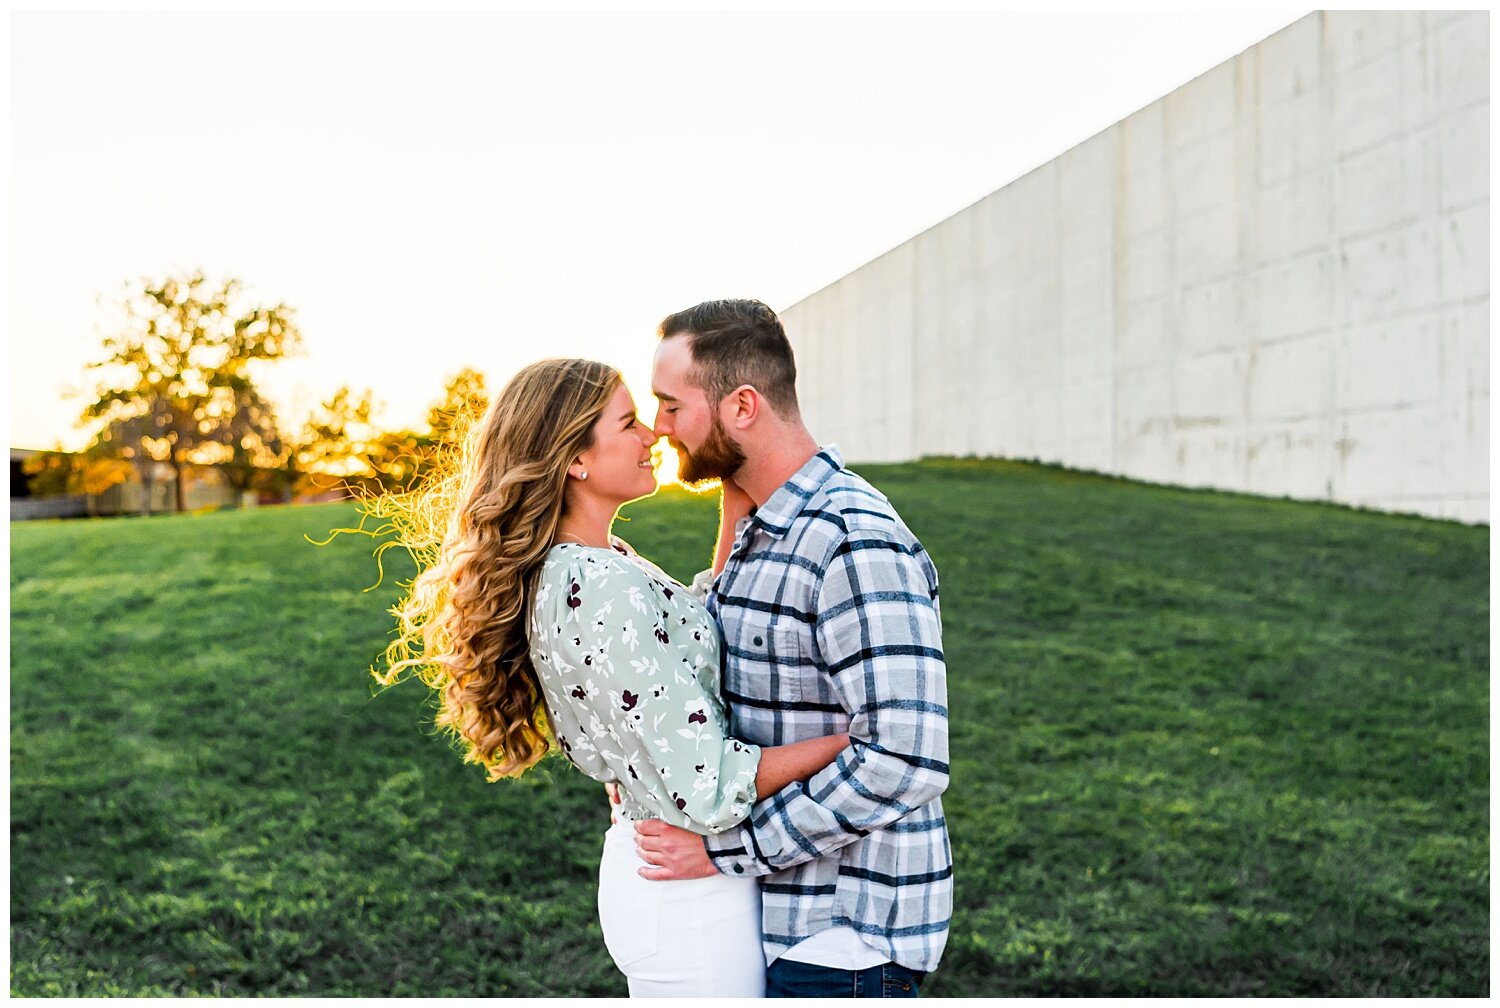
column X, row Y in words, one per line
column 64, row 506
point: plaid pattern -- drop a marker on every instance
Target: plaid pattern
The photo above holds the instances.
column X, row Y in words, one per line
column 829, row 609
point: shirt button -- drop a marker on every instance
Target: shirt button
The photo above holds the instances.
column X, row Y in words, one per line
column 757, row 642
column 738, row 870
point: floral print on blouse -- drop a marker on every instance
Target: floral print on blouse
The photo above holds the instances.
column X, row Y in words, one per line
column 629, row 666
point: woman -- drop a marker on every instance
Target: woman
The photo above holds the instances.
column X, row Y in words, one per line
column 532, row 621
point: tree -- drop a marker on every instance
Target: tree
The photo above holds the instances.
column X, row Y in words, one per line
column 338, row 445
column 54, row 472
column 180, row 365
column 133, row 440
column 99, row 473
column 244, row 430
column 463, row 403
column 464, row 400
column 51, row 473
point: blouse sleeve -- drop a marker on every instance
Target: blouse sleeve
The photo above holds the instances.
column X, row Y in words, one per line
column 635, row 694
column 701, row 583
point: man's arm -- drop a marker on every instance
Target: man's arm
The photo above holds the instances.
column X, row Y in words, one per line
column 661, row 843
column 880, row 636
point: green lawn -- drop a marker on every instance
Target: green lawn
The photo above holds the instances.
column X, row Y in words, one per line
column 1202, row 744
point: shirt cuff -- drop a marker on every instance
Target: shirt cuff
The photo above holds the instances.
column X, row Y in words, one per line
column 731, row 853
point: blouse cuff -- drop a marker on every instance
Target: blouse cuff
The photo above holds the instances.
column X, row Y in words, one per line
column 737, row 773
column 703, row 582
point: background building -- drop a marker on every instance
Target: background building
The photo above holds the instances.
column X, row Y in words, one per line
column 1273, row 280
column 205, row 489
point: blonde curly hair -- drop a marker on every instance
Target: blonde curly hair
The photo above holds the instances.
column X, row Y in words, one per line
column 479, row 528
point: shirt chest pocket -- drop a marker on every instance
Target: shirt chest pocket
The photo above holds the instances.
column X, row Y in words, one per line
column 775, row 663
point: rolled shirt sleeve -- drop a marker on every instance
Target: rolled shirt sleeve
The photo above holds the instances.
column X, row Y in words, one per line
column 879, row 636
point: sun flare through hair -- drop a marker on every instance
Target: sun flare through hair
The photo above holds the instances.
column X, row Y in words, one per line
column 478, row 528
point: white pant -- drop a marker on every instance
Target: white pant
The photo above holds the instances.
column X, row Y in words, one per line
column 695, row 937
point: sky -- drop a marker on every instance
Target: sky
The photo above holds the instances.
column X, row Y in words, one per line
column 482, row 189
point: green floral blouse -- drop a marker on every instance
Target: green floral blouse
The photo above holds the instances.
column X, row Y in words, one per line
column 629, row 666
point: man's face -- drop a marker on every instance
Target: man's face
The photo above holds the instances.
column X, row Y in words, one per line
column 686, row 418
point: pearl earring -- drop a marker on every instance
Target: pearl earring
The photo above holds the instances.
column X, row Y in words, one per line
column 583, row 474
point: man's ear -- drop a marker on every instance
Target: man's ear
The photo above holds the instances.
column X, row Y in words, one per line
column 741, row 407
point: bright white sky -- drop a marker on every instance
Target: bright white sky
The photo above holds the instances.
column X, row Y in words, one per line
column 431, row 191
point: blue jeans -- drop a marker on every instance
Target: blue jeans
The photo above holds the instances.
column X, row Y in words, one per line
column 789, row 978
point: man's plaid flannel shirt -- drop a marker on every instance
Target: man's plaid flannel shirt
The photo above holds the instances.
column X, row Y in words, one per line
column 829, row 609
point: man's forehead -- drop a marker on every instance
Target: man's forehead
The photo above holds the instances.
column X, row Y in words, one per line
column 675, row 350
column 669, row 370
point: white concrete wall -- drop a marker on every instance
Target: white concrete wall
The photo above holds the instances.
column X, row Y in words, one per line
column 1273, row 280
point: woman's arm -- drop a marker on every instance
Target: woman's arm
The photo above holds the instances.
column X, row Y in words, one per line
column 734, row 504
column 780, row 765
column 629, row 707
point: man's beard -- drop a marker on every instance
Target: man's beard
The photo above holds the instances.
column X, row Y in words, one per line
column 717, row 458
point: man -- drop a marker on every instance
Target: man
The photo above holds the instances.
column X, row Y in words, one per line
column 829, row 610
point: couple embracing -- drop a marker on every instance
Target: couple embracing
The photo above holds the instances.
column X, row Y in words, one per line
column 774, row 736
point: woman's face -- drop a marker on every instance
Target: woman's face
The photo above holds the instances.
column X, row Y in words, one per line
column 619, row 462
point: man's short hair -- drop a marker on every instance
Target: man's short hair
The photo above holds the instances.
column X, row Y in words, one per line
column 738, row 342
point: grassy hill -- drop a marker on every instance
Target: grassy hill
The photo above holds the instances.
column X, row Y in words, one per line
column 1203, row 744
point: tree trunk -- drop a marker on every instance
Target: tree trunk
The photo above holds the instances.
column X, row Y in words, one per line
column 181, row 488
column 148, row 484
column 146, row 474
column 289, row 489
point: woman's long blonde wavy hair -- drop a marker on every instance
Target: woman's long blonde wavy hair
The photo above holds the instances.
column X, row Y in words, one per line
column 478, row 529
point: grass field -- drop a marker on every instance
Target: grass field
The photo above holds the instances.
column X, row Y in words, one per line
column 1203, row 744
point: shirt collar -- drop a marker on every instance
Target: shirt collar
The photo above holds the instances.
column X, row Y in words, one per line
column 782, row 507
